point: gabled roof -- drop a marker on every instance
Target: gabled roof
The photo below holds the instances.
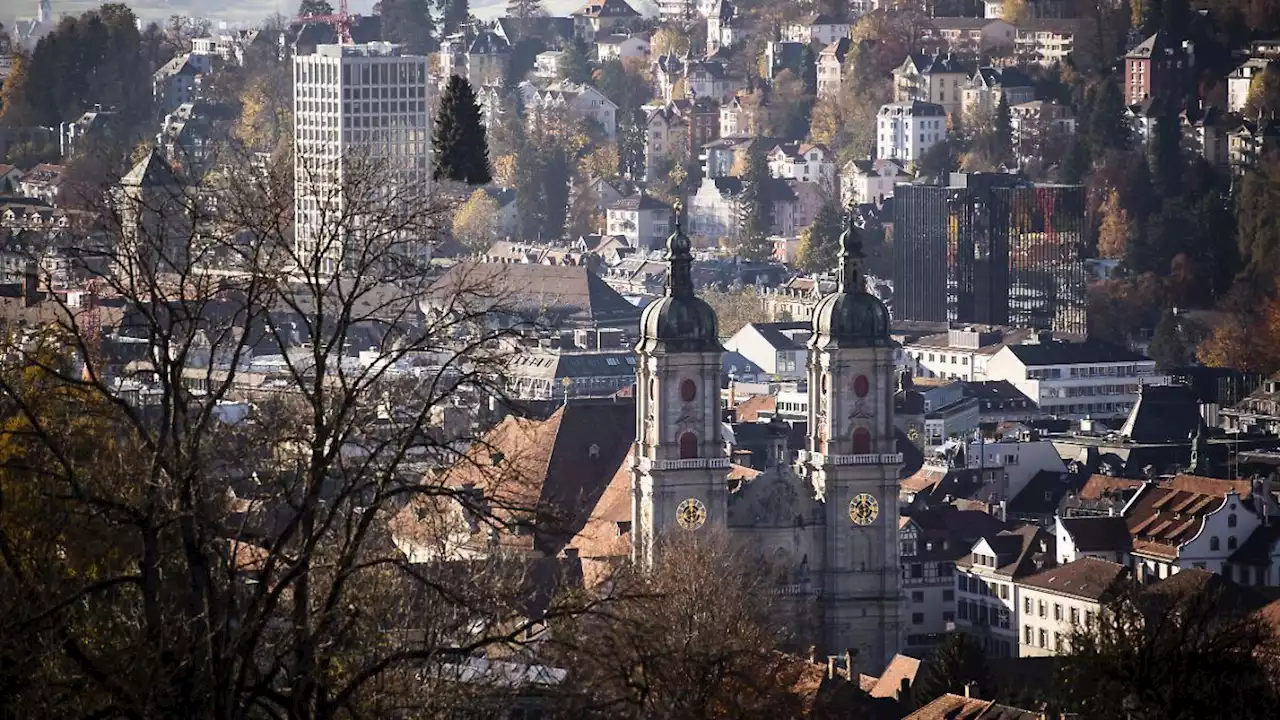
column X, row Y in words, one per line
column 936, row 63
column 838, row 50
column 1088, row 578
column 547, row 29
column 553, row 474
column 959, row 707
column 607, row 9
column 1018, row 552
column 890, row 682
column 1102, row 533
column 570, row 291
column 1163, row 414
column 641, row 201
column 1041, row 495
column 488, row 42
column 1001, row 77
column 151, row 171
column 1154, row 46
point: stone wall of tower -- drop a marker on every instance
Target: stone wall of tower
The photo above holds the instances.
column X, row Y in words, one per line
column 679, row 453
column 854, row 464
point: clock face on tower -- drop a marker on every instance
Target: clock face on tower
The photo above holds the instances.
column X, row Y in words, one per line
column 863, row 509
column 691, row 514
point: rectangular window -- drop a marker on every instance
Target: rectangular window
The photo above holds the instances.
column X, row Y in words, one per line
column 1042, row 608
column 1075, row 616
column 963, row 609
column 1026, row 606
column 948, row 595
column 963, row 582
column 1026, row 634
column 917, row 618
column 1043, row 637
column 917, row 596
column 1004, row 592
column 1057, row 612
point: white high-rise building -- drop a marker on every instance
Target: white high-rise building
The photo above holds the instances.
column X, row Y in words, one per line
column 363, row 128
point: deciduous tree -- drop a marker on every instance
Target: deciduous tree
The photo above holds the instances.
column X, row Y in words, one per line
column 1113, row 232
column 476, row 224
column 820, row 242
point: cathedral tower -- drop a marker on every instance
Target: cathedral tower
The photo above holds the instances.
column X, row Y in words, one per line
column 853, row 462
column 678, row 465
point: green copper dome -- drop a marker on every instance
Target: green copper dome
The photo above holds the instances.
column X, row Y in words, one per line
column 851, row 316
column 679, row 321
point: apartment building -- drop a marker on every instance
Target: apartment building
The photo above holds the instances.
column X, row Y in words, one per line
column 987, row 597
column 356, row 106
column 1076, row 380
column 1052, row 604
column 905, row 131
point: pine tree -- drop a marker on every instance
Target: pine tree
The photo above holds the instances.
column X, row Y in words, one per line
column 755, row 206
column 958, row 661
column 1107, row 127
column 1168, row 347
column 819, row 243
column 453, row 14
column 525, row 9
column 1075, row 162
column 1002, row 134
column 531, row 200
column 1166, row 155
column 460, row 148
column 556, row 170
column 574, row 65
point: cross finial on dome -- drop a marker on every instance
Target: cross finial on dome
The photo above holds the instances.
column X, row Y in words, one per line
column 679, row 259
column 850, row 270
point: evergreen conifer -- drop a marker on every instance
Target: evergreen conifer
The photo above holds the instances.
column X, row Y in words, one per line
column 755, row 213
column 461, row 151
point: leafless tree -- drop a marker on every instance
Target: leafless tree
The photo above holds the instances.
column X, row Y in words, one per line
column 200, row 455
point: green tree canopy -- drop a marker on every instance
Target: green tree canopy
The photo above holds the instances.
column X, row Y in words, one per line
column 314, row 7
column 461, row 152
column 755, row 206
column 958, row 661
column 820, row 242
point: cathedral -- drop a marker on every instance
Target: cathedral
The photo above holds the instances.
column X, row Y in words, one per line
column 832, row 518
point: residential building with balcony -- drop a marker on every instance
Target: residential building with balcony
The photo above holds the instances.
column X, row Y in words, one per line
column 937, row 78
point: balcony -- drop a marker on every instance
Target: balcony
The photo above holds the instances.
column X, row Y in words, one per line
column 814, row 458
column 685, row 464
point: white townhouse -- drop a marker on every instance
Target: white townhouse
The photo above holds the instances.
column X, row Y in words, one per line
column 906, row 131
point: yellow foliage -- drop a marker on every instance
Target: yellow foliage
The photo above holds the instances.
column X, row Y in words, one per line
column 504, row 170
column 477, row 223
column 1113, row 233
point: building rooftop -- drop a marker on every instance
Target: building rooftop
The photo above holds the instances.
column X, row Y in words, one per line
column 1087, row 578
column 1103, row 533
column 1082, row 353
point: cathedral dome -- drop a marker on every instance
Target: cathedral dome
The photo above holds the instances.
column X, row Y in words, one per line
column 679, row 321
column 851, row 316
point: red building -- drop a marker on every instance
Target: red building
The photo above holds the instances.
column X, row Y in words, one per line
column 1153, row 69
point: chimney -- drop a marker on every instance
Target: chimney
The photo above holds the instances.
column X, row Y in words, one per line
column 813, row 654
column 970, row 690
column 850, row 656
column 831, row 667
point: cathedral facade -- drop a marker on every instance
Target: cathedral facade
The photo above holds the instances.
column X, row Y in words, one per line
column 830, row 520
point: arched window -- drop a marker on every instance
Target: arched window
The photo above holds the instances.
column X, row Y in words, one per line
column 1231, row 542
column 688, row 390
column 688, row 446
column 1213, row 541
column 861, row 441
column 1231, row 520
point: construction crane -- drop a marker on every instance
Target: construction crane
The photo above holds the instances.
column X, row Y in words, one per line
column 341, row 22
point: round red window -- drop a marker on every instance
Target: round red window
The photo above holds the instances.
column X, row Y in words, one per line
column 861, row 386
column 688, row 391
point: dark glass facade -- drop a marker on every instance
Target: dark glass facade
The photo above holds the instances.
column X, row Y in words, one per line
column 991, row 250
